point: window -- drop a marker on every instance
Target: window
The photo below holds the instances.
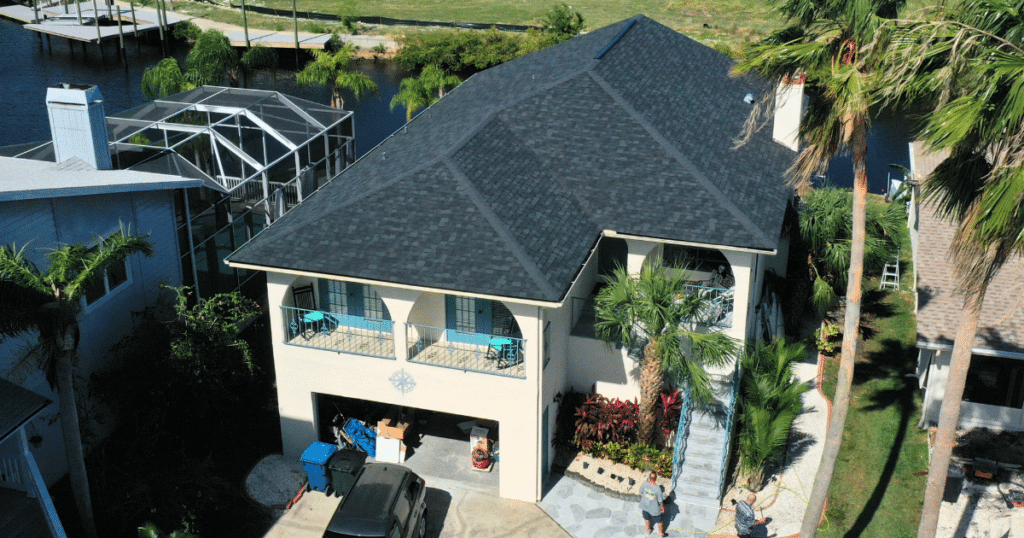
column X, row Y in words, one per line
column 352, row 299
column 110, row 279
column 693, row 259
column 995, row 381
column 465, row 314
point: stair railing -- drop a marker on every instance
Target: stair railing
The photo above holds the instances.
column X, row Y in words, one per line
column 680, row 443
column 737, row 375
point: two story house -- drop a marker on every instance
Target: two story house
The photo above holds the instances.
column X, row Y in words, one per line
column 453, row 267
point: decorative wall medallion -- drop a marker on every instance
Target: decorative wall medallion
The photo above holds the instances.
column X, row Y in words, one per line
column 403, row 381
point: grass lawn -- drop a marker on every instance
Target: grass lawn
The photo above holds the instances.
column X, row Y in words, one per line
column 728, row 23
column 875, row 489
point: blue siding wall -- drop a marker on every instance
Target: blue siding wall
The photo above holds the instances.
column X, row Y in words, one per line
column 47, row 223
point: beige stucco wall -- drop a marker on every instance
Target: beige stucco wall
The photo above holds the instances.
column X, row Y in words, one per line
column 514, row 403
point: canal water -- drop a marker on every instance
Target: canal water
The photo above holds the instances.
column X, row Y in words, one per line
column 29, row 66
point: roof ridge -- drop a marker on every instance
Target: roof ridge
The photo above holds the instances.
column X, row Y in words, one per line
column 680, row 158
column 499, row 226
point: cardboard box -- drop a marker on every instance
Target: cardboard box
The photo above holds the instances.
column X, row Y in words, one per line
column 392, row 428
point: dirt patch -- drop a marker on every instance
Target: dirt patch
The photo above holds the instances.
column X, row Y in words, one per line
column 1001, row 446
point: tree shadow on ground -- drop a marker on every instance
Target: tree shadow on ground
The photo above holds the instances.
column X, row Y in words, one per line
column 901, row 396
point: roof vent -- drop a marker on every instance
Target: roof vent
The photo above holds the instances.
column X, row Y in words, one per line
column 749, row 99
column 614, row 40
column 78, row 124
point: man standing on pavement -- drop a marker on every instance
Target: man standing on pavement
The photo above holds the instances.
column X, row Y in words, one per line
column 745, row 516
column 652, row 503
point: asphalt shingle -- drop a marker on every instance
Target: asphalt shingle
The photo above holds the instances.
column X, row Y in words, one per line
column 503, row 186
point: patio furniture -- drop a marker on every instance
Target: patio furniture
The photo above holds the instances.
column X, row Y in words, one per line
column 305, row 300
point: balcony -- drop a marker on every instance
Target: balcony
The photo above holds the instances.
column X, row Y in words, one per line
column 340, row 333
column 471, row 352
column 718, row 314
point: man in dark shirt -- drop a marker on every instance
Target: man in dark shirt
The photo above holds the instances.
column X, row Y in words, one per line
column 745, row 516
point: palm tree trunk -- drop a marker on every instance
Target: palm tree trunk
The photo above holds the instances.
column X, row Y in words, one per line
column 650, row 388
column 949, row 415
column 844, row 383
column 73, row 441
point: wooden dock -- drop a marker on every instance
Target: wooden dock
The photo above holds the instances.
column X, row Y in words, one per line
column 69, row 28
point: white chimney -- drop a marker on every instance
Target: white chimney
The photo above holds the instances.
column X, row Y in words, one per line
column 78, row 124
column 789, row 101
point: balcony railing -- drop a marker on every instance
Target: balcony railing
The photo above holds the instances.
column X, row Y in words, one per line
column 337, row 332
column 718, row 314
column 473, row 352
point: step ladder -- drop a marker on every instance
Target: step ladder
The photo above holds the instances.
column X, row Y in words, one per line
column 891, row 275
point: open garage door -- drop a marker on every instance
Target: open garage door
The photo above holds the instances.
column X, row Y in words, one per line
column 436, row 444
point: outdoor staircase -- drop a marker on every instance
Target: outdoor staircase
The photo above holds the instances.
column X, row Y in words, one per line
column 20, row 516
column 699, row 486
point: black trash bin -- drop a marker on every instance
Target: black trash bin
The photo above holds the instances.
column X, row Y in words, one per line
column 954, row 483
column 343, row 466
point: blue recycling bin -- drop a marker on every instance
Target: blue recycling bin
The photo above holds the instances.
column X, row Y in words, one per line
column 314, row 460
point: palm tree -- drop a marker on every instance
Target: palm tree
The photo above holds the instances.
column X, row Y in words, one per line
column 163, row 79
column 968, row 63
column 210, row 59
column 825, row 222
column 49, row 303
column 331, row 68
column 654, row 310
column 771, row 402
column 825, row 44
column 424, row 90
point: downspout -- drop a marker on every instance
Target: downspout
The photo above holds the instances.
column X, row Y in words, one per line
column 538, row 450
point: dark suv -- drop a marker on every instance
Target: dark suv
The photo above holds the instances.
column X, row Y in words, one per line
column 386, row 501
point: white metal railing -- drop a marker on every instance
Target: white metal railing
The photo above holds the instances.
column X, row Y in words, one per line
column 43, row 496
column 11, row 473
column 477, row 352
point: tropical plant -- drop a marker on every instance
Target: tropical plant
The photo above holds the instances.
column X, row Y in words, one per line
column 331, row 69
column 825, row 221
column 163, row 79
column 604, row 420
column 562, row 21
column 48, row 304
column 424, row 90
column 655, row 312
column 187, row 31
column 827, row 44
column 210, row 59
column 150, row 530
column 968, row 62
column 771, row 402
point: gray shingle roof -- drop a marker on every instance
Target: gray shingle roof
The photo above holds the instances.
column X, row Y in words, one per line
column 940, row 302
column 17, row 406
column 504, row 186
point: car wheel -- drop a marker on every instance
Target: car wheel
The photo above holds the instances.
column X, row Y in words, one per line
column 422, row 530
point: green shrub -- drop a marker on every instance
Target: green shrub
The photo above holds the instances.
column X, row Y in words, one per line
column 314, row 27
column 771, row 401
column 826, row 338
column 635, row 456
column 187, row 31
column 459, row 50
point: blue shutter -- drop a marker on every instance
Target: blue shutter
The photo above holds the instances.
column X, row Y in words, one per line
column 324, row 294
column 449, row 312
column 484, row 319
column 355, row 299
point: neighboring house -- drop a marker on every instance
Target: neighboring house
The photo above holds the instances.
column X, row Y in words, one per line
column 27, row 509
column 257, row 153
column 452, row 268
column 994, row 394
column 199, row 172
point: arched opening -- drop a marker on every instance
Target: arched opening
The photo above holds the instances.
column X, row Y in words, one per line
column 347, row 317
column 466, row 333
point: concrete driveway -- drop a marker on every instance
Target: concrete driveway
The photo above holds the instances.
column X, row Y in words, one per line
column 454, row 510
